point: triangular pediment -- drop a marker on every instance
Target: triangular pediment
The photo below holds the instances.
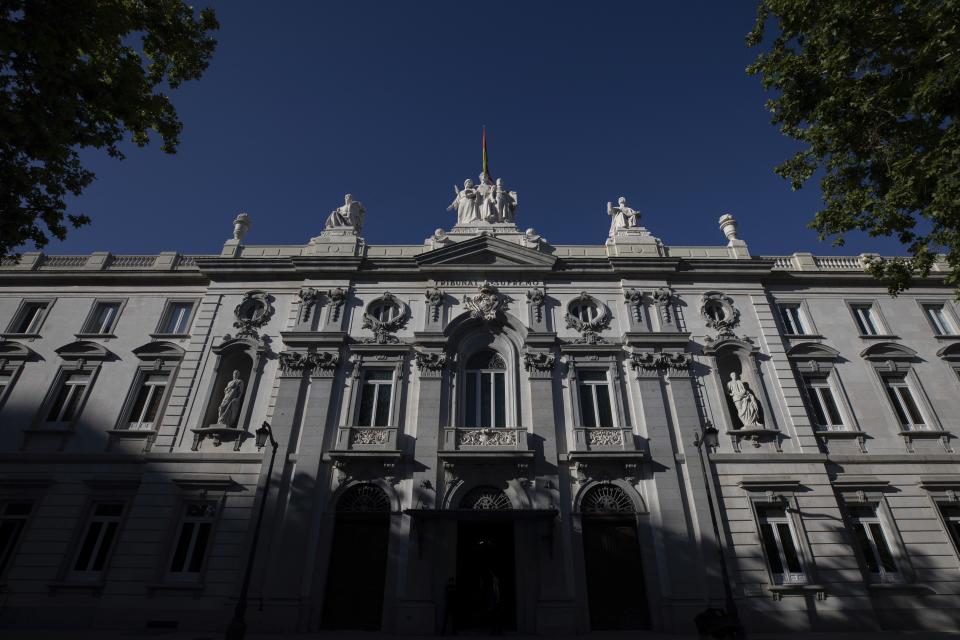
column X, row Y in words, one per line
column 487, row 253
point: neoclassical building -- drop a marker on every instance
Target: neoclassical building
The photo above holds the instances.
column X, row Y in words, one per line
column 481, row 430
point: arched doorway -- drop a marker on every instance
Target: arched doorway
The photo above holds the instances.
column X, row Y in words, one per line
column 616, row 593
column 358, row 560
column 486, row 581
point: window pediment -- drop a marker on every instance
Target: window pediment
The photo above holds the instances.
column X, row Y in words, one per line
column 84, row 350
column 14, row 351
column 812, row 351
column 883, row 351
column 950, row 352
column 159, row 351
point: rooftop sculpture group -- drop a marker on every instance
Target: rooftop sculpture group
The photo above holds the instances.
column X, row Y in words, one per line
column 486, row 202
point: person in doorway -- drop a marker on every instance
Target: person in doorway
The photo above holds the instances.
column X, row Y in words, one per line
column 449, row 608
column 491, row 599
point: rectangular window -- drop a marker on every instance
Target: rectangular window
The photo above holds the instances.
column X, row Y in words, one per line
column 146, row 406
column 873, row 545
column 823, row 406
column 866, row 320
column 69, row 397
column 13, row 519
column 951, row 518
column 792, row 322
column 103, row 318
column 486, row 404
column 938, row 320
column 594, row 392
column 176, row 318
column 99, row 537
column 375, row 398
column 904, row 405
column 29, row 317
column 780, row 545
column 193, row 538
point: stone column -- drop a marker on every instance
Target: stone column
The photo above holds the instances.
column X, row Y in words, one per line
column 556, row 611
column 680, row 579
column 421, row 589
column 296, row 515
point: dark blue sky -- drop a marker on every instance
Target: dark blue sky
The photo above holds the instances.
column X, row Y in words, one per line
column 583, row 102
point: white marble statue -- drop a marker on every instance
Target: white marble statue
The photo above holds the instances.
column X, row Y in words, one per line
column 229, row 409
column 622, row 216
column 746, row 403
column 349, row 215
column 505, row 202
column 467, row 203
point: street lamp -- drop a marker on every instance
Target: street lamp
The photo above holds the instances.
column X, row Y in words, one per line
column 238, row 625
column 731, row 622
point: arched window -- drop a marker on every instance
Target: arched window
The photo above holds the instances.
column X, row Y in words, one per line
column 486, row 499
column 607, row 499
column 364, row 498
column 485, row 390
column 585, row 310
column 385, row 309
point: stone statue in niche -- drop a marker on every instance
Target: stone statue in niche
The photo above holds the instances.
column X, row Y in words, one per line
column 229, row 409
column 746, row 403
column 350, row 215
column 622, row 216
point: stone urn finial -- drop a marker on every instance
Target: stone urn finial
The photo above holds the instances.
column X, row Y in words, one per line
column 241, row 224
column 728, row 224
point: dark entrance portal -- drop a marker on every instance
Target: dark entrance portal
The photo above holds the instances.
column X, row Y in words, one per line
column 485, row 562
column 358, row 561
column 615, row 586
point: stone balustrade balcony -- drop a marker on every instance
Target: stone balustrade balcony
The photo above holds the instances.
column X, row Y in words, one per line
column 365, row 442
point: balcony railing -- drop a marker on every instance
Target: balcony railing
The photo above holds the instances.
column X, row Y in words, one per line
column 603, row 439
column 484, row 439
column 366, row 439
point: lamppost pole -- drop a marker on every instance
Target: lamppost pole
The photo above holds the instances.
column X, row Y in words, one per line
column 237, row 629
column 709, row 438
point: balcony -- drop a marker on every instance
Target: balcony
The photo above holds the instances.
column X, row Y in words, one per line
column 484, row 443
column 605, row 444
column 375, row 443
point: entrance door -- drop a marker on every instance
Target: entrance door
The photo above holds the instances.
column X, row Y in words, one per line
column 615, row 587
column 358, row 561
column 484, row 568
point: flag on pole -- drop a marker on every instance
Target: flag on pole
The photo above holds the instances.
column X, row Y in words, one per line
column 486, row 167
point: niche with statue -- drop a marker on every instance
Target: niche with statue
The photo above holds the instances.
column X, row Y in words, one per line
column 746, row 404
column 230, row 392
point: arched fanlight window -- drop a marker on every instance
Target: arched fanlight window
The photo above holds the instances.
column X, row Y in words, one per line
column 485, row 390
column 364, row 498
column 486, row 499
column 606, row 498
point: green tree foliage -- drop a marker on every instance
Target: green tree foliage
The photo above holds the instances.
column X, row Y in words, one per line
column 872, row 90
column 77, row 74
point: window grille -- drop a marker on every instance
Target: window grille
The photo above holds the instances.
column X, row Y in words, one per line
column 363, row 498
column 486, row 499
column 606, row 498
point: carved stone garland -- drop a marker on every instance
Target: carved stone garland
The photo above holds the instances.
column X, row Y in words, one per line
column 533, row 361
column 338, row 297
column 660, row 361
column 664, row 299
column 535, row 298
column 370, row 436
column 589, row 329
column 430, row 361
column 383, row 330
column 485, row 304
column 634, row 300
column 434, row 302
column 308, row 298
column 488, row 437
column 253, row 312
column 296, row 361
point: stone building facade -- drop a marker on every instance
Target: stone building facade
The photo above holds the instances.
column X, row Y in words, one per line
column 481, row 430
